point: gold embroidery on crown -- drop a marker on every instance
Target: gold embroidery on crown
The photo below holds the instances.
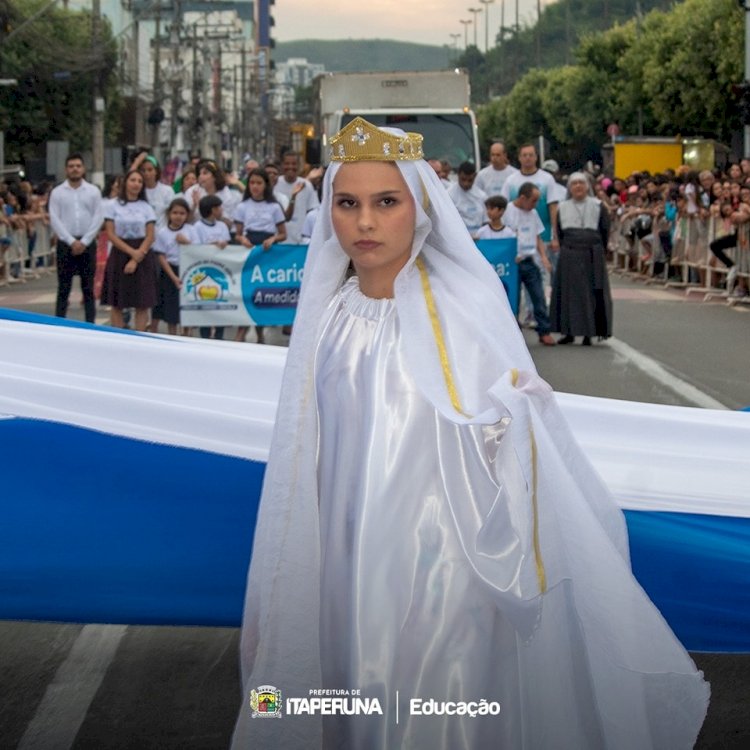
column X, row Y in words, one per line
column 362, row 141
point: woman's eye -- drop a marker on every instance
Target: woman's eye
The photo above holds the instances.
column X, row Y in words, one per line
column 389, row 201
column 346, row 202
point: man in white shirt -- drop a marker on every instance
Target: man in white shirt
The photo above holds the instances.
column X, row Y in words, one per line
column 76, row 215
column 492, row 178
column 468, row 198
column 521, row 216
column 548, row 191
column 301, row 195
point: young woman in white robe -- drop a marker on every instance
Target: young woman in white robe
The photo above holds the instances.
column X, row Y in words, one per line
column 429, row 530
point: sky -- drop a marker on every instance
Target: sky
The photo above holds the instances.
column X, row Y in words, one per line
column 423, row 21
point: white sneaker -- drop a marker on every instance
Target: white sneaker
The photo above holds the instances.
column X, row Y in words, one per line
column 731, row 278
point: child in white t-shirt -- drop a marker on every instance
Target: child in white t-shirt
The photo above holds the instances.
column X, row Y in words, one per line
column 495, row 229
column 176, row 232
column 211, row 230
column 259, row 221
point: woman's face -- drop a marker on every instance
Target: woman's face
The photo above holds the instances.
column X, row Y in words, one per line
column 734, row 172
column 257, row 186
column 373, row 215
column 578, row 190
column 133, row 185
column 188, row 180
column 148, row 170
column 207, row 180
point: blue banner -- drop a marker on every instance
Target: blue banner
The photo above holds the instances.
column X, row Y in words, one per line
column 240, row 286
column 501, row 255
column 237, row 286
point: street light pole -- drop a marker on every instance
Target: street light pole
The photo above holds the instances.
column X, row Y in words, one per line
column 486, row 4
column 466, row 23
column 455, row 38
column 475, row 11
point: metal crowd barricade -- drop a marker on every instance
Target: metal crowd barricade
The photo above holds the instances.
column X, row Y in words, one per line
column 690, row 252
column 43, row 254
column 16, row 249
column 741, row 257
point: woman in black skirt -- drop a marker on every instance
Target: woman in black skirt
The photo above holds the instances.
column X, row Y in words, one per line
column 131, row 274
column 581, row 303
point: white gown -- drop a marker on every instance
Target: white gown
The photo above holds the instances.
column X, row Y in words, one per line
column 404, row 612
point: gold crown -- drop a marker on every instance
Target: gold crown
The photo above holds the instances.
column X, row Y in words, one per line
column 362, row 141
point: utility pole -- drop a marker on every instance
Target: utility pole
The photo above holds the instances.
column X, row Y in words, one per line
column 194, row 142
column 97, row 139
column 156, row 101
column 454, row 38
column 466, row 23
column 475, row 11
column 174, row 41
column 486, row 4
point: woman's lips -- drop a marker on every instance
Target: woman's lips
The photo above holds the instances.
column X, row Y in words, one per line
column 366, row 244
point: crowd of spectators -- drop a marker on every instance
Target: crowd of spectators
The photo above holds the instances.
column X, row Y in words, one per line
column 28, row 242
column 684, row 226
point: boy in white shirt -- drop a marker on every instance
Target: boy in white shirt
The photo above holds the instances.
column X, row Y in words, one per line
column 495, row 206
column 211, row 230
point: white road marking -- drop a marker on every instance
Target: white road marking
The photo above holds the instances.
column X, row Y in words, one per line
column 68, row 697
column 655, row 371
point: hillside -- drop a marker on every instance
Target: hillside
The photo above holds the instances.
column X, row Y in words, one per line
column 356, row 55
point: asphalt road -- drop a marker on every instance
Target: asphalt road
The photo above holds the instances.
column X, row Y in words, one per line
column 107, row 687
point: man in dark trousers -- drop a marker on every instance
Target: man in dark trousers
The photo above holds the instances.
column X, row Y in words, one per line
column 75, row 211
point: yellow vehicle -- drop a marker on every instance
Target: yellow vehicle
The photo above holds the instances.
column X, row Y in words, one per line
column 654, row 154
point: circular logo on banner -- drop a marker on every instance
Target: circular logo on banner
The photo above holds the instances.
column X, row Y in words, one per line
column 207, row 283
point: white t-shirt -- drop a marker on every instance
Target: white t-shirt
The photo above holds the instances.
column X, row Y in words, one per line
column 159, row 198
column 130, row 218
column 486, row 232
column 304, row 201
column 528, row 226
column 259, row 216
column 470, row 204
column 309, row 225
column 166, row 242
column 491, row 180
column 548, row 193
column 230, row 199
column 206, row 234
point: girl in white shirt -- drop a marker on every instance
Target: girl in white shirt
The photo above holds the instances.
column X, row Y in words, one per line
column 130, row 274
column 259, row 220
column 167, row 247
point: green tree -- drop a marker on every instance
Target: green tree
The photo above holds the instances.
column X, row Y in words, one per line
column 669, row 73
column 55, row 63
column 519, row 116
column 690, row 59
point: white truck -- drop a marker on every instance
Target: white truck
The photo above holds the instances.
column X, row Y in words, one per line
column 433, row 103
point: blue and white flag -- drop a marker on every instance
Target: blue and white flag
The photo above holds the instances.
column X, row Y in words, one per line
column 132, row 467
